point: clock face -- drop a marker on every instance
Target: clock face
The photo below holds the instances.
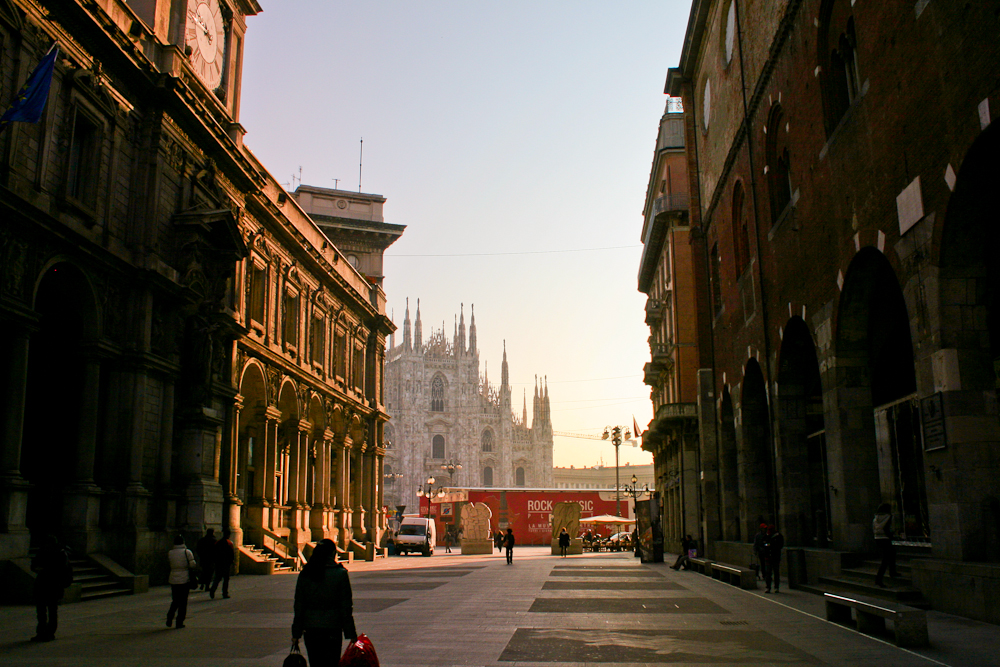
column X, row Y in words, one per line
column 206, row 35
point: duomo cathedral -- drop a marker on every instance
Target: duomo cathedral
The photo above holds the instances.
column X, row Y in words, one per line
column 444, row 412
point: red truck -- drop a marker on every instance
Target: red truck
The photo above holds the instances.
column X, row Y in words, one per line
column 527, row 511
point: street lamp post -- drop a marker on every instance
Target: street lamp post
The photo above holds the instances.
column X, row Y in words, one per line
column 450, row 467
column 616, row 434
column 429, row 491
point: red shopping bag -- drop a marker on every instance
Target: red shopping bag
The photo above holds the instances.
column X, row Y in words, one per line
column 360, row 653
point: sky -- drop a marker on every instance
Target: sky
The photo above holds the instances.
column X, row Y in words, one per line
column 514, row 140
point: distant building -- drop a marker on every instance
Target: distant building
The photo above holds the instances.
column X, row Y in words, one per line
column 443, row 411
column 602, row 477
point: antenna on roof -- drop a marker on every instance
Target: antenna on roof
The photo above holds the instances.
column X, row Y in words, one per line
column 336, row 181
column 361, row 161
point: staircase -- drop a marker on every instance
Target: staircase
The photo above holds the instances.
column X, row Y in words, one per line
column 860, row 578
column 96, row 583
column 258, row 560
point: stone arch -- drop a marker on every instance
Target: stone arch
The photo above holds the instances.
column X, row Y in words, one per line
column 60, row 444
column 802, row 467
column 879, row 451
column 252, row 433
column 317, row 455
column 287, row 459
column 729, row 469
column 965, row 367
column 756, row 476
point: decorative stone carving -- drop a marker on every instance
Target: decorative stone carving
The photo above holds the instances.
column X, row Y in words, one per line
column 566, row 515
column 476, row 521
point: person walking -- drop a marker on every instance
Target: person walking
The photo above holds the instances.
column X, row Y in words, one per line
column 773, row 546
column 448, row 541
column 324, row 607
column 760, row 550
column 223, row 555
column 182, row 566
column 498, row 540
column 563, row 542
column 882, row 526
column 205, row 549
column 508, row 542
column 53, row 573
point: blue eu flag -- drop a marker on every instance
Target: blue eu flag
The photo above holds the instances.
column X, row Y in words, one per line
column 30, row 101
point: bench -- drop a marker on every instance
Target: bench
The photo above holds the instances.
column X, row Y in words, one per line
column 743, row 577
column 701, row 565
column 909, row 625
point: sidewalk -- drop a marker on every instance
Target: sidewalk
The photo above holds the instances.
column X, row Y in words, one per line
column 476, row 610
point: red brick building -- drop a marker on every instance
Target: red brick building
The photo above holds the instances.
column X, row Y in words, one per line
column 841, row 156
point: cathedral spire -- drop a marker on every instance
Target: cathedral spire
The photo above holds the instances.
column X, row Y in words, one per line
column 461, row 329
column 418, row 336
column 504, row 372
column 406, row 326
column 473, row 345
column 524, row 418
column 392, row 334
column 536, row 407
column 546, row 413
column 454, row 338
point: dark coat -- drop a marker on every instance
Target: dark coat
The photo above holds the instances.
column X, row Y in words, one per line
column 508, row 540
column 223, row 553
column 324, row 603
column 53, row 572
column 564, row 539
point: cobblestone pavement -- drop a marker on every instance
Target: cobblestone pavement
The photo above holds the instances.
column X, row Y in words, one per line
column 476, row 610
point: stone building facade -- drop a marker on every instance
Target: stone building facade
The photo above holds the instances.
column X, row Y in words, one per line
column 841, row 158
column 444, row 411
column 182, row 347
column 666, row 275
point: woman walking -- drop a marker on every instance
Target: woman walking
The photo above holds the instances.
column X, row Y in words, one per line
column 324, row 608
column 508, row 543
column 182, row 564
column 563, row 542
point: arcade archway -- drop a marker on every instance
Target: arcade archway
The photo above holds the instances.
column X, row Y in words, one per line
column 756, row 472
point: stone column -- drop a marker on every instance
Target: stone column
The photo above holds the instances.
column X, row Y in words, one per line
column 269, row 489
column 14, row 536
column 343, row 500
column 357, row 490
column 232, row 519
column 298, row 529
column 82, row 500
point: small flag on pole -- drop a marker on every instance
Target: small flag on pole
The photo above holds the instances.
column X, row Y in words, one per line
column 30, row 101
column 636, row 433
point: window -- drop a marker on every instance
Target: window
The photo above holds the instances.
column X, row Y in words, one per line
column 353, row 261
column 83, row 161
column 730, row 39
column 437, row 394
column 257, row 278
column 290, row 325
column 317, row 340
column 487, row 476
column 706, row 103
column 340, row 354
column 519, row 477
column 778, row 163
column 437, row 447
column 716, row 278
column 741, row 235
column 839, row 74
column 487, row 441
column 358, row 369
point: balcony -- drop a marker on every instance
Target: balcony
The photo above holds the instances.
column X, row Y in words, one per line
column 663, row 355
column 675, row 202
column 654, row 311
column 650, row 375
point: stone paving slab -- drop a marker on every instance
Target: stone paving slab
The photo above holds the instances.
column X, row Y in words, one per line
column 652, row 647
column 602, row 572
column 676, row 605
column 612, row 585
column 484, row 618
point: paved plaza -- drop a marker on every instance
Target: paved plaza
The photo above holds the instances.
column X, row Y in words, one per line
column 476, row 610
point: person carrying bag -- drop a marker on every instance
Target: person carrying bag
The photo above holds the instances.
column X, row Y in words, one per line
column 324, row 608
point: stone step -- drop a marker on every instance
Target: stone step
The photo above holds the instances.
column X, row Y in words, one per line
column 88, row 596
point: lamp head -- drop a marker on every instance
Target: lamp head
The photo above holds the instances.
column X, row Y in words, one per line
column 430, row 480
column 420, row 492
column 634, row 480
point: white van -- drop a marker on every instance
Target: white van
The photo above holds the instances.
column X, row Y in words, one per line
column 416, row 534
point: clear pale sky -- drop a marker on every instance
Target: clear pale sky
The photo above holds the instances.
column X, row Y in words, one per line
column 514, row 139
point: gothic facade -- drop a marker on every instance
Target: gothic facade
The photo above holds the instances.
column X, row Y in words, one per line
column 181, row 346
column 443, row 411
